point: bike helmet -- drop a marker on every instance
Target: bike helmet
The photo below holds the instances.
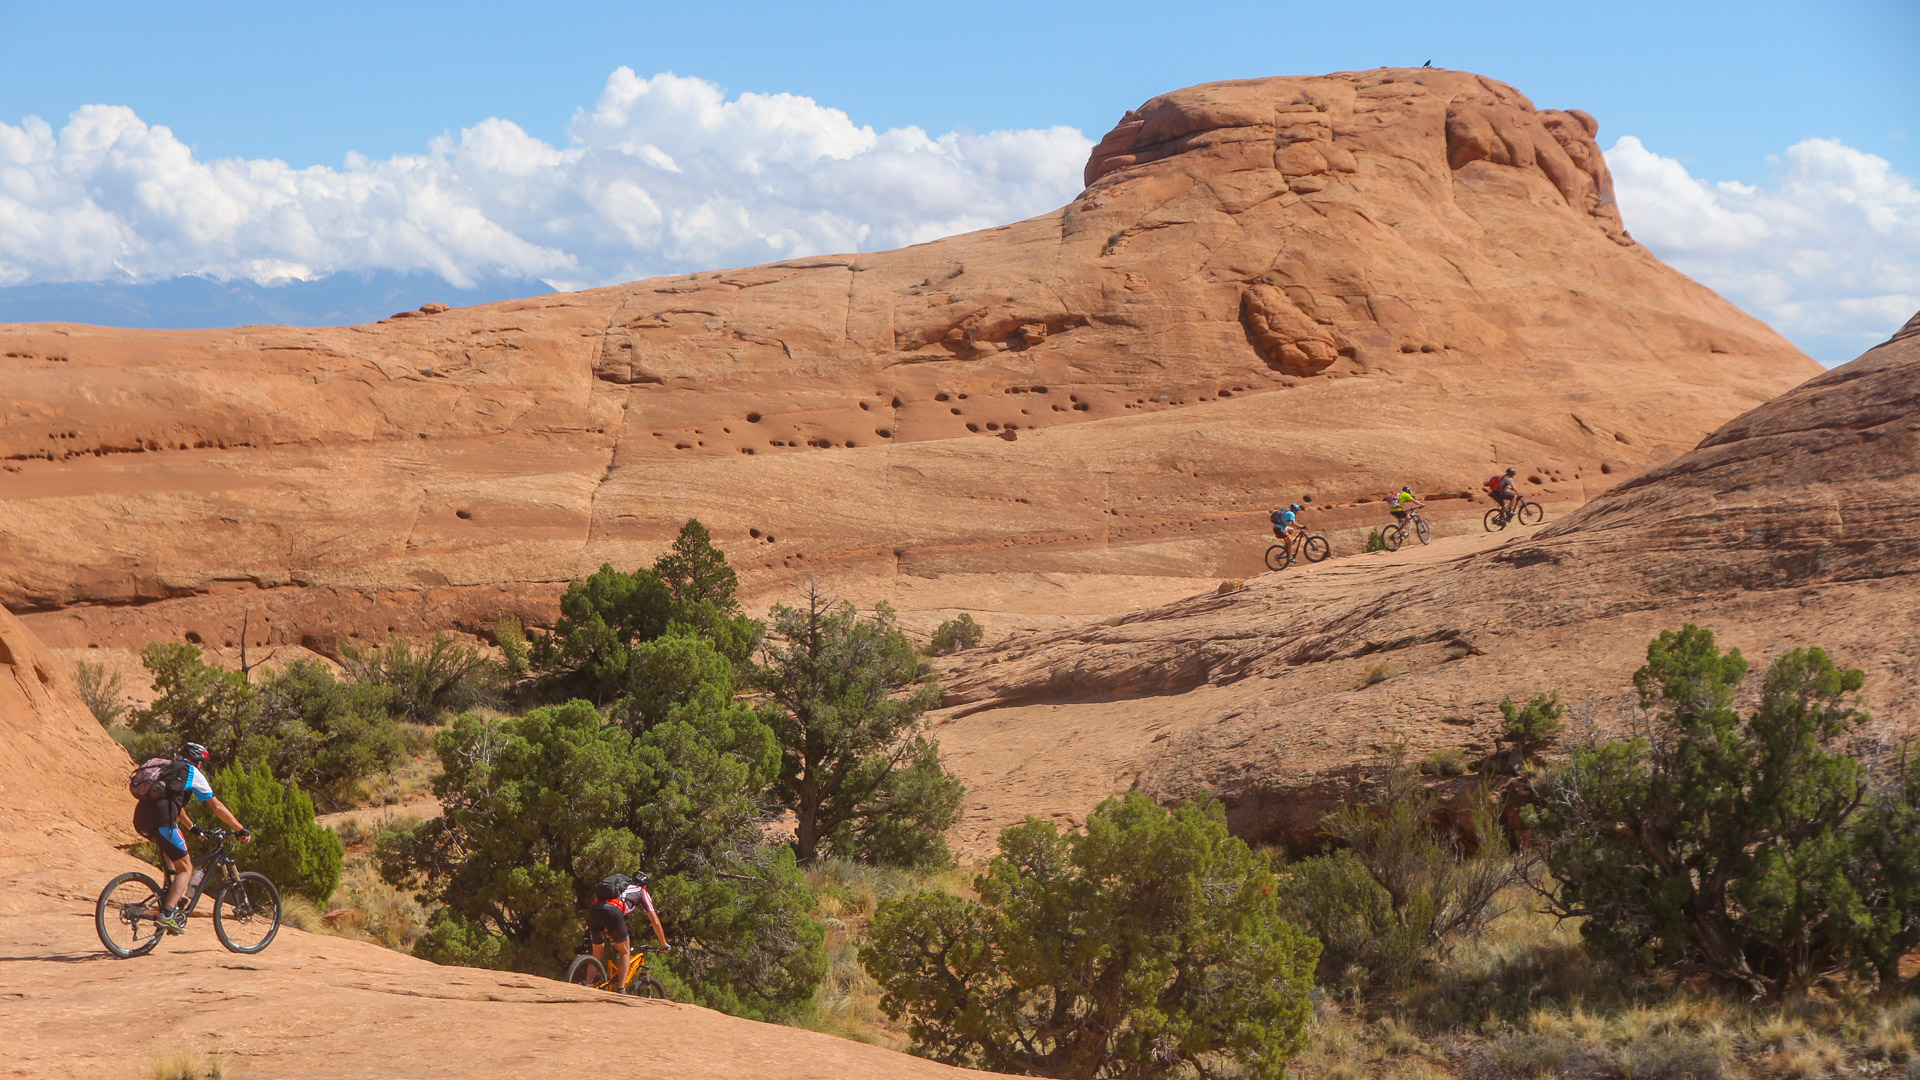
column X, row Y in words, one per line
column 1510, row 472
column 1408, row 488
column 195, row 754
column 1296, row 508
column 639, row 877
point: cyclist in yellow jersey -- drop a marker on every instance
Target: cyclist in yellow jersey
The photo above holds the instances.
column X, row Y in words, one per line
column 1404, row 502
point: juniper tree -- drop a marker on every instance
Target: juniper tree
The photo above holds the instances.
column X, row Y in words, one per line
column 1151, row 945
column 860, row 776
column 1725, row 845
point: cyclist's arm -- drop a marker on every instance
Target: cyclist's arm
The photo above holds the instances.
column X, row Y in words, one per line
column 654, row 918
column 225, row 815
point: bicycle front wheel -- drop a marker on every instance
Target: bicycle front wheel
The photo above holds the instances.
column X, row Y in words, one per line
column 247, row 914
column 1278, row 558
column 647, row 987
column 1532, row 514
column 587, row 970
column 1424, row 530
column 1316, row 548
column 124, row 915
column 1495, row 520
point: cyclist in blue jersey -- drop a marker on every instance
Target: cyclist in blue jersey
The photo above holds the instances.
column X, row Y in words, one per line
column 1283, row 521
column 160, row 819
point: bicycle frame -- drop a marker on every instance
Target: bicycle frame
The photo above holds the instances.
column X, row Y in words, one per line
column 213, row 866
column 637, row 965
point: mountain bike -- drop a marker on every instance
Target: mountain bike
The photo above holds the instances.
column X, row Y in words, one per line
column 588, row 970
column 1284, row 554
column 1529, row 513
column 1395, row 534
column 246, row 906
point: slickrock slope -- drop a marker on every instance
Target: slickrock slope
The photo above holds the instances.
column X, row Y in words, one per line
column 309, row 1006
column 56, row 795
column 1270, row 290
column 1790, row 526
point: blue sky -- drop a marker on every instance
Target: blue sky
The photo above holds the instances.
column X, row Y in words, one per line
column 1720, row 91
column 1717, row 85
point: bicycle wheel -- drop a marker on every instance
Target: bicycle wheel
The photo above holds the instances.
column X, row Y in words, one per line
column 1278, row 558
column 1316, row 548
column 1424, row 531
column 1393, row 536
column 1532, row 514
column 124, row 915
column 647, row 986
column 587, row 970
column 246, row 915
column 1495, row 520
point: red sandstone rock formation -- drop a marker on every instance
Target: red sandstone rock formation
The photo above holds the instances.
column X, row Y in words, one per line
column 1279, row 289
column 1790, row 526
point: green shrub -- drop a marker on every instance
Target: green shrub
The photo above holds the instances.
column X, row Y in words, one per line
column 194, row 701
column 102, row 692
column 1376, row 541
column 322, row 733
column 1758, row 850
column 301, row 856
column 512, row 639
column 1445, row 761
column 1151, row 945
column 1402, row 892
column 441, row 678
column 1532, row 727
column 300, row 722
column 1376, row 674
column 688, row 590
column 956, row 634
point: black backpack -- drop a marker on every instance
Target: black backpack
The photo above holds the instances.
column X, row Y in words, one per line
column 610, row 888
column 161, row 781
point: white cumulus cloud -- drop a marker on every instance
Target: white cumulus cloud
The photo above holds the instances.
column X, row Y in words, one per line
column 661, row 175
column 1828, row 252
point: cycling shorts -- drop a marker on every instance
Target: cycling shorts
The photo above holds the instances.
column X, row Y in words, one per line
column 150, row 821
column 1401, row 514
column 606, row 923
column 1503, row 496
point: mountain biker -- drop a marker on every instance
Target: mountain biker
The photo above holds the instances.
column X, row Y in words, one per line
column 1502, row 490
column 159, row 819
column 1283, row 521
column 1404, row 502
column 613, row 900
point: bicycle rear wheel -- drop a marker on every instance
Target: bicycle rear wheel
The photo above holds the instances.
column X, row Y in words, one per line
column 124, row 915
column 1532, row 514
column 1278, row 558
column 587, row 970
column 246, row 915
column 1393, row 536
column 1424, row 530
column 1316, row 548
column 1495, row 520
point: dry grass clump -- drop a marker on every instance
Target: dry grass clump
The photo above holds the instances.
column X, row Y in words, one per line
column 186, row 1063
column 412, row 779
column 1376, row 674
column 372, row 910
column 847, row 1002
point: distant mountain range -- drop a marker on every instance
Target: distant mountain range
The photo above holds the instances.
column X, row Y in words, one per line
column 193, row 302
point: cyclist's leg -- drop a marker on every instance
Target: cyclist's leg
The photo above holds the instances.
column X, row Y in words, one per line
column 619, row 975
column 605, row 923
column 172, row 845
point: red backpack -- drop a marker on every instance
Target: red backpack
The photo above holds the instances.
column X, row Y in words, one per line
column 1493, row 482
